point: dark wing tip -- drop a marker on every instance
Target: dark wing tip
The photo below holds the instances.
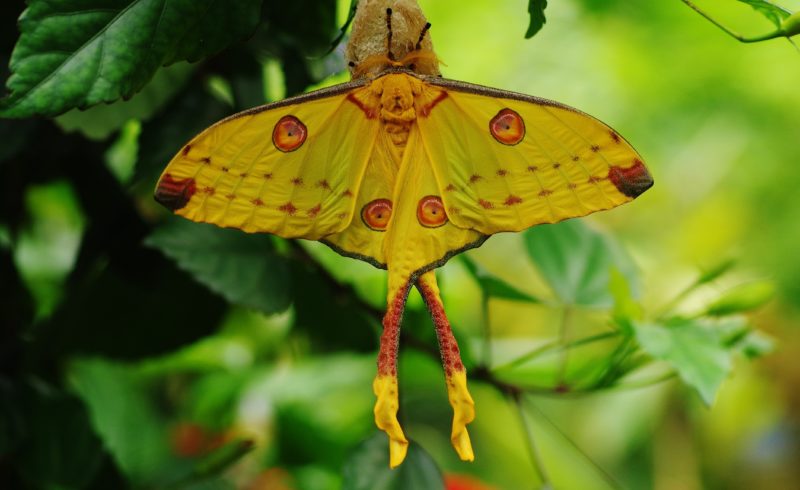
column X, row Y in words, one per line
column 631, row 181
column 174, row 194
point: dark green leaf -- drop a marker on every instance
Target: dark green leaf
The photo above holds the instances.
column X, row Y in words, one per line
column 12, row 418
column 693, row 349
column 304, row 25
column 575, row 260
column 78, row 53
column 367, row 468
column 774, row 13
column 298, row 33
column 202, row 474
column 742, row 298
column 536, row 11
column 329, row 312
column 242, row 268
column 494, row 286
column 100, row 121
column 142, row 308
column 124, row 417
column 60, row 450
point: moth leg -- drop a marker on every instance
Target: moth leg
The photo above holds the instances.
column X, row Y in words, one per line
column 385, row 384
column 455, row 374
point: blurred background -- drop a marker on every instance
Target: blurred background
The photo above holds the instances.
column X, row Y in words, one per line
column 629, row 349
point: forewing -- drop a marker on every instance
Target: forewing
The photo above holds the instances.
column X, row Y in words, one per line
column 292, row 168
column 505, row 161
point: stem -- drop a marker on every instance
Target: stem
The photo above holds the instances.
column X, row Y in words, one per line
column 487, row 333
column 607, row 477
column 563, row 337
column 554, row 346
column 733, row 34
column 533, row 451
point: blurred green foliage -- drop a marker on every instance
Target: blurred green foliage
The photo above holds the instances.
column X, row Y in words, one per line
column 141, row 351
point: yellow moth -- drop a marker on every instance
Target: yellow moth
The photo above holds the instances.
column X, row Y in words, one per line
column 403, row 169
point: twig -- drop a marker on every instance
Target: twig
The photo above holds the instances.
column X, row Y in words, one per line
column 533, row 450
column 733, row 34
column 607, row 477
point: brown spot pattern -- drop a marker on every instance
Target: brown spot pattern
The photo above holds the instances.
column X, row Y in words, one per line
column 288, row 208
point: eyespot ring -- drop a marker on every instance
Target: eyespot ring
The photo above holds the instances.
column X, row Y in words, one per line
column 507, row 127
column 289, row 134
column 431, row 212
column 376, row 214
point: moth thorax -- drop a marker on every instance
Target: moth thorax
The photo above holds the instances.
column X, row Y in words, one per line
column 368, row 51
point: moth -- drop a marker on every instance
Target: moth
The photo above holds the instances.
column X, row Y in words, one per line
column 403, row 169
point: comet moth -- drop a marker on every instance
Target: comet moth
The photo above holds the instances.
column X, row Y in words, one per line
column 403, row 169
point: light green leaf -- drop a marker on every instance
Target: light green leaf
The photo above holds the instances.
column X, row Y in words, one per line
column 78, row 53
column 536, row 10
column 242, row 268
column 626, row 309
column 742, row 298
column 755, row 344
column 693, row 349
column 367, row 468
column 715, row 272
column 774, row 13
column 575, row 260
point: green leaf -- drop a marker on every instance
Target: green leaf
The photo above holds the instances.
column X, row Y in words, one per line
column 242, row 268
column 59, row 449
column 626, row 309
column 744, row 297
column 123, row 416
column 737, row 334
column 536, row 11
column 203, row 472
column 101, row 121
column 693, row 349
column 78, row 53
column 367, row 468
column 772, row 12
column 755, row 344
column 715, row 272
column 575, row 260
column 495, row 287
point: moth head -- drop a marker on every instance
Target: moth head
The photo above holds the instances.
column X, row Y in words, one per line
column 387, row 34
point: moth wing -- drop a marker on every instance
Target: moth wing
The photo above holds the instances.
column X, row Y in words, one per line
column 292, row 168
column 412, row 241
column 506, row 161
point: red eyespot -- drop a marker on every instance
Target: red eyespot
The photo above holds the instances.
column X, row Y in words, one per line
column 430, row 212
column 507, row 127
column 376, row 214
column 289, row 134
